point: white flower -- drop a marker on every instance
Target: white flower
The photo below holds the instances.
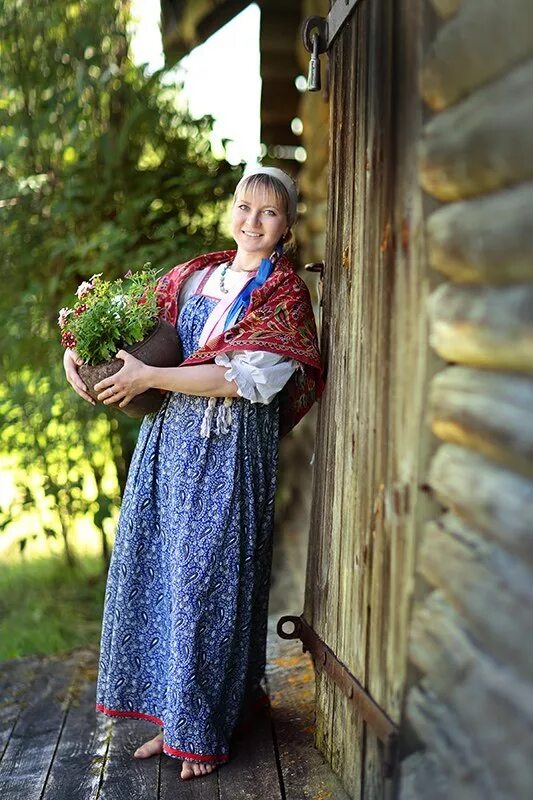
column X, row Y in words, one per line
column 63, row 314
column 84, row 288
column 120, row 301
column 95, row 277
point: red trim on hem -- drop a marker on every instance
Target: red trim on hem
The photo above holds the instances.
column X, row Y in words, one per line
column 170, row 751
column 111, row 712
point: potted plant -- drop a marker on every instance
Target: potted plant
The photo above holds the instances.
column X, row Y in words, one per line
column 114, row 315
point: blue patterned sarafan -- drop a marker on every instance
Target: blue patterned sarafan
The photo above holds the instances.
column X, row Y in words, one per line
column 184, row 627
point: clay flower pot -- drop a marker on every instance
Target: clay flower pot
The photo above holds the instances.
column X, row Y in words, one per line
column 161, row 348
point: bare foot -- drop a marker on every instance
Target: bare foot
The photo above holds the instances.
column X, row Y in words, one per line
column 190, row 769
column 150, row 748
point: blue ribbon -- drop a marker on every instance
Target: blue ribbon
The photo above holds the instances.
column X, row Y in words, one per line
column 243, row 298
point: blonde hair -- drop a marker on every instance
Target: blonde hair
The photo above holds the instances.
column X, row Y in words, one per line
column 270, row 184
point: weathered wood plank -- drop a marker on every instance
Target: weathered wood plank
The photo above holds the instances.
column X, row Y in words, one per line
column 399, row 508
column 374, row 294
column 365, row 336
column 343, row 83
column 463, row 57
column 409, row 442
column 30, row 750
column 373, row 229
column 346, row 751
column 451, row 747
column 17, row 678
column 77, row 764
column 488, row 497
column 487, row 240
column 483, row 326
column 424, row 778
column 325, row 585
column 490, row 412
column 474, row 575
column 123, row 775
column 322, row 586
column 290, row 678
column 491, row 703
column 252, row 765
column 483, row 143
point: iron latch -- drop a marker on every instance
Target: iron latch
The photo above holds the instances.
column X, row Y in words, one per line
column 384, row 728
column 316, row 266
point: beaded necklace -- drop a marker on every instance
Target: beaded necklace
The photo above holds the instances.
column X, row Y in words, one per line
column 223, row 274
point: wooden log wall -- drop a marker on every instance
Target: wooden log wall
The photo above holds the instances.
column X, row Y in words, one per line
column 471, row 635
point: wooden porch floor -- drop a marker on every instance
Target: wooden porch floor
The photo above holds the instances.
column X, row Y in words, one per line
column 55, row 746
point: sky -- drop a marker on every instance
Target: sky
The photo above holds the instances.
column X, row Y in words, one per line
column 219, row 78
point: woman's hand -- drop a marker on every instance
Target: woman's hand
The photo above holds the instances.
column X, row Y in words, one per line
column 71, row 362
column 131, row 379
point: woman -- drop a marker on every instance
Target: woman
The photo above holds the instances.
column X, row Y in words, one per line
column 184, row 627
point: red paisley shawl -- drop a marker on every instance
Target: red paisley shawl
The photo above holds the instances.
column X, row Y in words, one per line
column 279, row 319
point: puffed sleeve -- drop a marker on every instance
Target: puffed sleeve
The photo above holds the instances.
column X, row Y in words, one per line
column 259, row 375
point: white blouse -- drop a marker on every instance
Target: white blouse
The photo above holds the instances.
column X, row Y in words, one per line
column 259, row 374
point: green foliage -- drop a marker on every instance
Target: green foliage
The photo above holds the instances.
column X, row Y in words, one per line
column 46, row 609
column 98, row 166
column 110, row 315
column 99, row 169
column 64, row 458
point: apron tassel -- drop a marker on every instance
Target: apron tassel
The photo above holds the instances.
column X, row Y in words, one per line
column 224, row 416
column 205, row 429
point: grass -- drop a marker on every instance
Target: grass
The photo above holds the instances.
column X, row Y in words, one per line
column 46, row 608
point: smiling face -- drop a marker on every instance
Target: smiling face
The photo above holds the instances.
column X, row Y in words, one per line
column 258, row 220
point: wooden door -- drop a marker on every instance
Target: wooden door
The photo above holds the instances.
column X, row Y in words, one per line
column 372, row 444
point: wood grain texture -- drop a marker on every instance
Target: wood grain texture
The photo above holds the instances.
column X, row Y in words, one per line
column 83, row 746
column 482, row 143
column 372, row 443
column 487, row 240
column 55, row 745
column 31, row 747
column 142, row 774
column 455, row 753
column 490, row 412
column 304, row 771
column 483, row 326
column 470, row 701
column 463, row 55
column 424, row 777
column 492, row 499
column 254, row 765
column 475, row 689
column 345, row 754
column 487, row 586
column 17, row 679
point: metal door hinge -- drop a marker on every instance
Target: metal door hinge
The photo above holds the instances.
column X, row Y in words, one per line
column 328, row 28
column 384, row 728
column 319, row 33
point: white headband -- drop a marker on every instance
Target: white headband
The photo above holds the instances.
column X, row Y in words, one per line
column 285, row 179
